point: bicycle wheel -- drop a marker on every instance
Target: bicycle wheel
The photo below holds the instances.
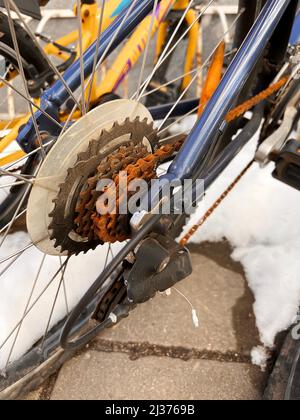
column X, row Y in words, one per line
column 40, row 277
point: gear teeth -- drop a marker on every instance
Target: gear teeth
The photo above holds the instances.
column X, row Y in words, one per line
column 84, row 217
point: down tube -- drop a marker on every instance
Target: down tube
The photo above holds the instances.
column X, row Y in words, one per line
column 189, row 163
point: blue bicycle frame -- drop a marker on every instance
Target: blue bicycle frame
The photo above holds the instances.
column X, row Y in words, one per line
column 191, row 160
column 295, row 37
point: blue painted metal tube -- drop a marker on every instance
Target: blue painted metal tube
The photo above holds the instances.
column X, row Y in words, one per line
column 295, row 37
column 191, row 159
column 58, row 93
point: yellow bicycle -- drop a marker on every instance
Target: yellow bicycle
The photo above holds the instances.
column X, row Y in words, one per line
column 94, row 21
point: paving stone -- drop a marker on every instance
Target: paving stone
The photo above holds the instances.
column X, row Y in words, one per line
column 97, row 376
column 223, row 303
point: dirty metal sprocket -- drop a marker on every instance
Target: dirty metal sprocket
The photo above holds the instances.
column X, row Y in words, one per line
column 71, row 224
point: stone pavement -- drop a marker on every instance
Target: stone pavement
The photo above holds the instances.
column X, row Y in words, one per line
column 157, row 353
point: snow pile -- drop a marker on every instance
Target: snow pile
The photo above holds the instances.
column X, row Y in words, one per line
column 260, row 357
column 260, row 220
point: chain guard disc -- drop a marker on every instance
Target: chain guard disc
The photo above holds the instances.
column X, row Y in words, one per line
column 63, row 156
column 75, row 204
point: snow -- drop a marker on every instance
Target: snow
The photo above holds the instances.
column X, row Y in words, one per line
column 260, row 357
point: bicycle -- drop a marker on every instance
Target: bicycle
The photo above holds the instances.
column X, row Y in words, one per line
column 62, row 214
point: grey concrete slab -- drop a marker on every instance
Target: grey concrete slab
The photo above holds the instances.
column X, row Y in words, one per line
column 95, row 375
column 223, row 303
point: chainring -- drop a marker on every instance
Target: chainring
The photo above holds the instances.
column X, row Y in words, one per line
column 72, row 226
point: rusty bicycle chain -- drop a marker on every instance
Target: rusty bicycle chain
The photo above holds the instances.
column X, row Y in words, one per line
column 214, row 207
column 108, row 169
column 113, row 227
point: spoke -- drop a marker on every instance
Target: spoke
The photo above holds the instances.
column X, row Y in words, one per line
column 178, row 121
column 100, row 61
column 79, row 21
column 70, row 116
column 11, row 263
column 7, row 96
column 28, row 154
column 165, row 54
column 97, row 67
column 112, row 253
column 182, row 76
column 21, row 72
column 12, row 184
column 147, row 48
column 26, row 307
column 30, row 101
column 19, row 207
column 159, row 62
column 65, row 289
column 16, row 253
column 4, row 172
column 63, row 269
column 17, row 217
column 102, row 6
column 49, row 62
column 8, row 124
column 33, row 305
column 199, row 70
column 14, row 216
column 107, row 255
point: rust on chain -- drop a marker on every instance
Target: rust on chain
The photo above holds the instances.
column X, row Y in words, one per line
column 214, row 207
column 108, row 169
column 251, row 103
column 113, row 227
